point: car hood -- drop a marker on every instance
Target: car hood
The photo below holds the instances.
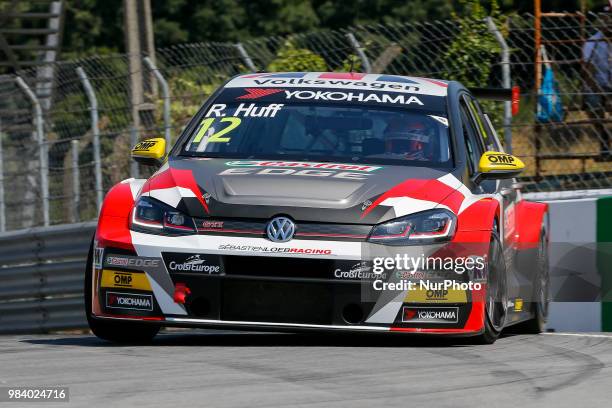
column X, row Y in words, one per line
column 307, row 191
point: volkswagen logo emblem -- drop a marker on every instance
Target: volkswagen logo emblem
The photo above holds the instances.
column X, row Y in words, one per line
column 280, row 229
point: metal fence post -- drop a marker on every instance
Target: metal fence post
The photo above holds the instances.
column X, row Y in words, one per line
column 76, row 177
column 245, row 57
column 134, row 170
column 93, row 102
column 42, row 147
column 2, row 208
column 166, row 95
column 506, row 80
column 365, row 62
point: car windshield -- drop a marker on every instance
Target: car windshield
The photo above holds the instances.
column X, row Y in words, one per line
column 314, row 131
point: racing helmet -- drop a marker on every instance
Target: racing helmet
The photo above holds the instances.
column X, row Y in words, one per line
column 409, row 137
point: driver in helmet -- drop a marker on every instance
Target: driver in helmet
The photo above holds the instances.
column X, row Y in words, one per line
column 410, row 139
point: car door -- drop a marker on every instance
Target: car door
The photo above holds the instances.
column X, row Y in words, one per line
column 510, row 195
column 506, row 188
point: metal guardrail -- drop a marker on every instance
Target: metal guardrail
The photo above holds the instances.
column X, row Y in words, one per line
column 41, row 278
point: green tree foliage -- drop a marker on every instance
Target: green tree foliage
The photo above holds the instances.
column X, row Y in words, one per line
column 474, row 49
column 473, row 52
column 290, row 58
column 96, row 26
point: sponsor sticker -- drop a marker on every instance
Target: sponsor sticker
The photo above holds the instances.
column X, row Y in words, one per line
column 518, row 305
column 197, row 263
column 334, row 83
column 337, row 95
column 239, row 171
column 131, row 262
column 120, row 279
column 207, row 224
column 359, row 270
column 421, row 295
column 275, row 250
column 133, row 301
column 98, row 257
column 144, row 146
column 438, row 315
column 502, row 159
column 294, row 164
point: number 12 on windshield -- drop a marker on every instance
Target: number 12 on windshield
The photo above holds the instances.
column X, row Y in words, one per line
column 218, row 136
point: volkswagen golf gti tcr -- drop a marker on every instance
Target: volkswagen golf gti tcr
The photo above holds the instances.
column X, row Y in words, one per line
column 324, row 201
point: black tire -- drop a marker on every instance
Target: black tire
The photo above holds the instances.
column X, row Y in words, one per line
column 540, row 296
column 116, row 332
column 496, row 304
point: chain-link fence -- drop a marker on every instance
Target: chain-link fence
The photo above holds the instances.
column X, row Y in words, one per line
column 560, row 130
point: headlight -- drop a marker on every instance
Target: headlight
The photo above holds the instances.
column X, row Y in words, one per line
column 420, row 228
column 152, row 216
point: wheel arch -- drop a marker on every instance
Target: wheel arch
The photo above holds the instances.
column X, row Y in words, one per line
column 112, row 226
column 531, row 217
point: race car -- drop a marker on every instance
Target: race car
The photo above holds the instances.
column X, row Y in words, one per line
column 324, row 201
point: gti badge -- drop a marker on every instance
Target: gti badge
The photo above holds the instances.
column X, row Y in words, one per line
column 280, row 229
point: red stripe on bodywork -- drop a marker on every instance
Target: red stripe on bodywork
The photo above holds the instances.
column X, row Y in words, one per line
column 121, row 316
column 254, row 93
column 420, row 189
column 342, row 75
column 113, row 221
column 475, row 321
column 433, row 81
column 114, row 232
column 529, row 219
column 436, row 331
column 479, row 215
column 175, row 178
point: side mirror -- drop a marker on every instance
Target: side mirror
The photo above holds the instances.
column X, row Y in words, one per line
column 498, row 165
column 150, row 152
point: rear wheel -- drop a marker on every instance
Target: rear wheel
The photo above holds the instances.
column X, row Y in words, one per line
column 496, row 302
column 119, row 331
column 539, row 305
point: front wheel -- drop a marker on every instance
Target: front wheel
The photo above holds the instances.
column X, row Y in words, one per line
column 119, row 331
column 496, row 304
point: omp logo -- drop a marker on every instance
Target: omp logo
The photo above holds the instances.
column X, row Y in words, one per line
column 145, row 145
column 439, row 294
column 129, row 301
column 255, row 93
column 121, row 279
column 422, row 295
column 502, row 159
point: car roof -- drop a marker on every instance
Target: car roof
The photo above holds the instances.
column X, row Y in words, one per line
column 342, row 80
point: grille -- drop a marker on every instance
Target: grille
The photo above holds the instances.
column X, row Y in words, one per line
column 277, row 302
column 279, row 267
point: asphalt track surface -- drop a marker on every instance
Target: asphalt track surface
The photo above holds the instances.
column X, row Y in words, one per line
column 234, row 369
